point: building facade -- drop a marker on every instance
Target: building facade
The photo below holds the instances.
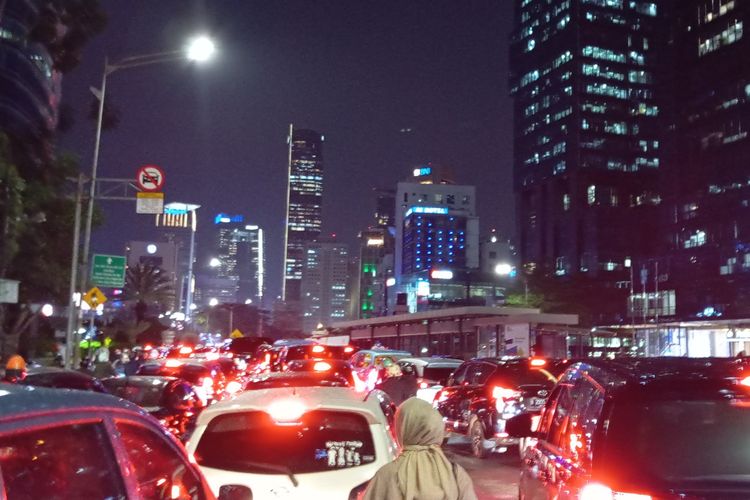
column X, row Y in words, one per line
column 585, row 80
column 240, row 258
column 30, row 86
column 707, row 175
column 304, row 205
column 324, row 284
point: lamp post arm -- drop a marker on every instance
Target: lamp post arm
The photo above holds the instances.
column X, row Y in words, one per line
column 144, row 60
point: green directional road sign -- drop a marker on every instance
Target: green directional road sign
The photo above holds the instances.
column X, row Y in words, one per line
column 108, row 271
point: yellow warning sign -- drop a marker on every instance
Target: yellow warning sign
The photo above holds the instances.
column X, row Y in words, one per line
column 94, row 298
column 236, row 334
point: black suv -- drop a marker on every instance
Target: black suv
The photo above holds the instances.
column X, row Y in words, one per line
column 664, row 428
column 482, row 394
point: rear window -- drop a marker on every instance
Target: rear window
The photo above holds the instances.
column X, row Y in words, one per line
column 438, row 374
column 146, row 395
column 521, row 376
column 252, row 442
column 685, row 438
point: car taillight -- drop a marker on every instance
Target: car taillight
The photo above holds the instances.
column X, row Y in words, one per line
column 538, row 362
column 348, row 349
column 745, row 381
column 441, row 396
column 321, row 366
column 423, row 384
column 173, row 363
column 234, row 387
column 186, row 350
column 208, row 385
column 598, row 491
column 503, row 393
column 318, row 349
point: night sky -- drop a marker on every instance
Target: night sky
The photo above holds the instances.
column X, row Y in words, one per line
column 357, row 71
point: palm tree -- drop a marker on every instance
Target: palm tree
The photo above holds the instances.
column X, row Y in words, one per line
column 147, row 285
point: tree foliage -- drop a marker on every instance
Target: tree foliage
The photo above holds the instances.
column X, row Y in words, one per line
column 65, row 26
column 147, row 286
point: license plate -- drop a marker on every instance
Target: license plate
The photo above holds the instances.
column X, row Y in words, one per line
column 537, row 402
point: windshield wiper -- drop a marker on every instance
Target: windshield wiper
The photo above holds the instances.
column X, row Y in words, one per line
column 283, row 469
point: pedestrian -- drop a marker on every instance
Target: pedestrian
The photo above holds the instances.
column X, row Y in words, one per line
column 15, row 369
column 102, row 367
column 421, row 471
column 398, row 386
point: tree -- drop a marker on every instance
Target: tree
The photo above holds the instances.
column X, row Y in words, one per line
column 148, row 285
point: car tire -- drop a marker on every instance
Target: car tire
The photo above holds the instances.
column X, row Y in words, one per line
column 476, row 435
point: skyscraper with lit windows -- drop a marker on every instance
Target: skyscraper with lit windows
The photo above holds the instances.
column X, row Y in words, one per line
column 304, row 205
column 587, row 148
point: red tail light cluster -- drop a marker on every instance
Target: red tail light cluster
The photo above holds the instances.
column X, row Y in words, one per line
column 598, row 491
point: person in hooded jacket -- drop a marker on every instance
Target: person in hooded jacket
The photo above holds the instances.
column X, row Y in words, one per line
column 422, row 471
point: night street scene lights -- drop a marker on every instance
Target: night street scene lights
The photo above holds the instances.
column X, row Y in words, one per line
column 200, row 49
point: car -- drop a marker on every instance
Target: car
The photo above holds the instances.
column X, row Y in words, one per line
column 299, row 442
column 333, row 367
column 344, row 352
column 639, row 429
column 482, row 394
column 173, row 401
column 62, row 379
column 369, row 364
column 59, row 443
column 303, row 351
column 207, row 378
column 431, row 373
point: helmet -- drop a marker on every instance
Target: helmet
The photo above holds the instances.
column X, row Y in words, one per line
column 15, row 362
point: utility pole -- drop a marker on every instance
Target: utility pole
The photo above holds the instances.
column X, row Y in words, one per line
column 71, row 333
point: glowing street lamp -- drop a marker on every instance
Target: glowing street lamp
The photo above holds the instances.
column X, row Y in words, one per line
column 503, row 269
column 200, row 49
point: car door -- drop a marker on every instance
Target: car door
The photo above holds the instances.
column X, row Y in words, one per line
column 158, row 466
column 560, row 461
column 462, row 394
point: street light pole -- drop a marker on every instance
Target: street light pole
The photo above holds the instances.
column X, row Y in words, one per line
column 70, row 336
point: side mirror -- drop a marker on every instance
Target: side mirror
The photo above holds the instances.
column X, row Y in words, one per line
column 235, row 492
column 520, row 426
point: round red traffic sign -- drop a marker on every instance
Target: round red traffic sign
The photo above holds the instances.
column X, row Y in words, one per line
column 150, row 178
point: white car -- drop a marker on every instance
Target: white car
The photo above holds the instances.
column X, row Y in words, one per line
column 295, row 442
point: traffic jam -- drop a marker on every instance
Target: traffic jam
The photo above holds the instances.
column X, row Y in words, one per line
column 257, row 419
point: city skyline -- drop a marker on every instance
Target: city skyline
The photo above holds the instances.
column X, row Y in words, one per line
column 225, row 136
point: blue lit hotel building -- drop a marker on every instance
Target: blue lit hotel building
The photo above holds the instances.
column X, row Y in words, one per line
column 437, row 243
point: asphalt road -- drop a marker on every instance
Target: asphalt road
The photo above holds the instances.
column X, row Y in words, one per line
column 495, row 478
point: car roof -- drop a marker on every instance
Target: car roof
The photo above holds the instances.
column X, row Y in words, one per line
column 139, row 380
column 433, row 362
column 39, row 371
column 329, row 398
column 18, row 400
column 384, row 352
column 642, row 371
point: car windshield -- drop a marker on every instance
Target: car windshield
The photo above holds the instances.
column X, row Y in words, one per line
column 253, row 442
column 681, row 437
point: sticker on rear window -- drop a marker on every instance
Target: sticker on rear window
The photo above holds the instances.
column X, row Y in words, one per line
column 341, row 453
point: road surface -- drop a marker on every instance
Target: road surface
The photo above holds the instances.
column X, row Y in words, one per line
column 495, row 478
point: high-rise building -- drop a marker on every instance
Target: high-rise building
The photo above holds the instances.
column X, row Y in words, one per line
column 375, row 245
column 437, row 240
column 240, row 257
column 304, row 205
column 385, row 207
column 707, row 174
column 587, row 142
column 324, row 280
column 29, row 82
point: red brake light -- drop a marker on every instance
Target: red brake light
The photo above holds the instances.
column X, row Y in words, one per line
column 745, row 381
column 233, row 387
column 186, row 349
column 321, row 366
column 348, row 349
column 286, row 410
column 173, row 363
column 502, row 393
column 537, row 362
column 597, row 491
column 318, row 349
